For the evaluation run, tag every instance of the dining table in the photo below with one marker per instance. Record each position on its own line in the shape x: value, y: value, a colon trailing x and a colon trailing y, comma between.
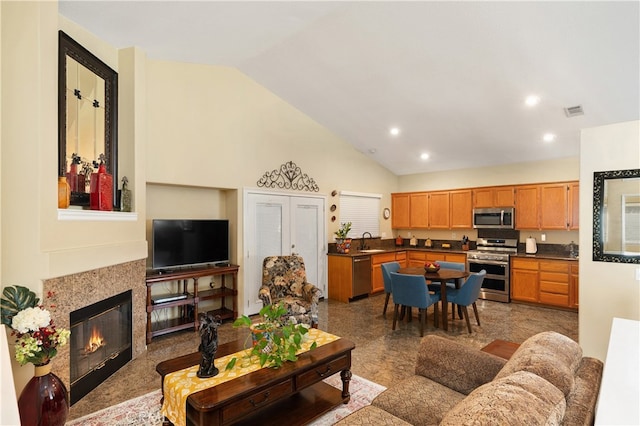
x: 443, y: 276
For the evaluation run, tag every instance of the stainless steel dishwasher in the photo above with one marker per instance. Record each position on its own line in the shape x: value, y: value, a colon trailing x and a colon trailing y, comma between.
x: 361, y: 275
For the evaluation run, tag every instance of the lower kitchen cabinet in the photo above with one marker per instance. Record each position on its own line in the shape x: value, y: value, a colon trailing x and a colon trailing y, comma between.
x: 349, y: 276
x: 417, y: 259
x: 377, y: 282
x: 545, y: 282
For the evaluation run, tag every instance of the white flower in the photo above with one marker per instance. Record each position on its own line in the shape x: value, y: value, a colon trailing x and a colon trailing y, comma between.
x: 31, y: 319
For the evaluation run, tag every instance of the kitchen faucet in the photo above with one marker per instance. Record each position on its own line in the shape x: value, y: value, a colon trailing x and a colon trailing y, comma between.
x: 362, y: 246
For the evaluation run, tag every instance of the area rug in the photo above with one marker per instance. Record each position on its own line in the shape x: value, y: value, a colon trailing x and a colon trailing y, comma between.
x: 145, y: 409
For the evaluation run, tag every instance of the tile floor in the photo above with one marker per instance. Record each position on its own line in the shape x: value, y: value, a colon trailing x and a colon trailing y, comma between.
x: 381, y: 355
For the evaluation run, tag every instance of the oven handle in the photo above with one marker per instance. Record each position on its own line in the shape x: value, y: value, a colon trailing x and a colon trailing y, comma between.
x: 488, y: 262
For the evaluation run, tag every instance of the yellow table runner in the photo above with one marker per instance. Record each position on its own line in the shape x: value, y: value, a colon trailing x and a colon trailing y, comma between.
x: 180, y: 384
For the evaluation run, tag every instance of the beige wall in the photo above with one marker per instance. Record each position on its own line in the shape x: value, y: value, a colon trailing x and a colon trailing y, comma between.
x: 213, y: 127
x: 35, y: 244
x: 560, y: 170
x: 607, y: 290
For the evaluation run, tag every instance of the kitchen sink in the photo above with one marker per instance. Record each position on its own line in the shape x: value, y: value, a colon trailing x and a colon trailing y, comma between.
x: 371, y: 251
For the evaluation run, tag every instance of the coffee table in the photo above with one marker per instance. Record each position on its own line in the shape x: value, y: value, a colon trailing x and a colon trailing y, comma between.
x: 293, y: 394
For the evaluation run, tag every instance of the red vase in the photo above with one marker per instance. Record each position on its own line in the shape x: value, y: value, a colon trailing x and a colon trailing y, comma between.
x: 75, y: 180
x: 101, y: 187
x: 45, y: 400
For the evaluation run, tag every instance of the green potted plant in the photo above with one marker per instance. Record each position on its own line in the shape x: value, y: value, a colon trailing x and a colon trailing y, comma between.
x: 276, y: 339
x: 343, y: 242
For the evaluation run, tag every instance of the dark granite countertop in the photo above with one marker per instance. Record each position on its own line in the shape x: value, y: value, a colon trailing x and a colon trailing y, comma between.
x: 552, y: 256
x: 356, y: 252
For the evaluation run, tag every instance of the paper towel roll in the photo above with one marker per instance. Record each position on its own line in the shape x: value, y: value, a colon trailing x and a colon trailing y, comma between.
x: 531, y: 246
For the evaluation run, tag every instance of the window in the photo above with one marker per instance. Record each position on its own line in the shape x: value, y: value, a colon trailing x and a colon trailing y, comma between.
x: 362, y: 210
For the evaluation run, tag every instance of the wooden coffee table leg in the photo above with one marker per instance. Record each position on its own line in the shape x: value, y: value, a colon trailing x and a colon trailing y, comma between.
x: 345, y: 375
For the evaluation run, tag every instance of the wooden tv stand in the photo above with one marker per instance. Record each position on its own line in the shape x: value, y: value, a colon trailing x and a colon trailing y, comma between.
x: 188, y: 317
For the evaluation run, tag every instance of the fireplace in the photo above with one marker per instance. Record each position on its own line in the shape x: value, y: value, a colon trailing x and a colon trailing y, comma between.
x: 100, y: 343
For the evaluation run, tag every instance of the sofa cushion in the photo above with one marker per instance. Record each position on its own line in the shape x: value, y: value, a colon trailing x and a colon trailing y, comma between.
x: 370, y: 415
x: 550, y: 355
x: 418, y: 400
x: 519, y: 399
x: 581, y: 402
x: 455, y: 365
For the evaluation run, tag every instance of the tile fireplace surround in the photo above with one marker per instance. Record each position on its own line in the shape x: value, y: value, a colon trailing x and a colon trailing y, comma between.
x: 79, y: 290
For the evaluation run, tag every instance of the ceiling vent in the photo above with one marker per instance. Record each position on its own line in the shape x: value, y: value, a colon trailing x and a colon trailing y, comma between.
x: 574, y: 111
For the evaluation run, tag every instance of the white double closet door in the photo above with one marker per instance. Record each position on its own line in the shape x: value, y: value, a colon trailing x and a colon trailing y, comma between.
x: 281, y: 224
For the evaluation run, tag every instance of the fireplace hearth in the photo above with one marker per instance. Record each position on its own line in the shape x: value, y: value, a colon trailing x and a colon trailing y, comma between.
x: 101, y: 342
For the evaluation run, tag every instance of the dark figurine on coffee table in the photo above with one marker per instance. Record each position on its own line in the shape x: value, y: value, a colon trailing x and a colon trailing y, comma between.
x: 208, y: 345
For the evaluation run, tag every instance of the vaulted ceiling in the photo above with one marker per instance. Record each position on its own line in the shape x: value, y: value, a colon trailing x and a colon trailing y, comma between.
x: 451, y: 76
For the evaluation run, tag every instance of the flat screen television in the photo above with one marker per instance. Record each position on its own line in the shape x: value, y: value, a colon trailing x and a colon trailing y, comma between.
x: 179, y: 243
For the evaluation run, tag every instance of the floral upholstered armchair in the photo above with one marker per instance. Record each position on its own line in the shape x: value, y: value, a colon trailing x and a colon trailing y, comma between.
x: 284, y: 280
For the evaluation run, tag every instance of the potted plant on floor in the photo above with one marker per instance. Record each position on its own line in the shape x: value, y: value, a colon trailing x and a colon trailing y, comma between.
x: 276, y: 339
x: 343, y: 242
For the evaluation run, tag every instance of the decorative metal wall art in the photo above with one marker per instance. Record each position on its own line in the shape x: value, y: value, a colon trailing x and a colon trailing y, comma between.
x: 289, y: 176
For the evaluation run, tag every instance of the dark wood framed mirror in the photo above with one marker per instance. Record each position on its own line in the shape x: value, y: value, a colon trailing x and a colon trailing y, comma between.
x: 87, y: 115
x: 616, y: 216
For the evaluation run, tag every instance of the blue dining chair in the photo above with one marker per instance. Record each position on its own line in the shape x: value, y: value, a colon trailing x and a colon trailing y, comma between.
x: 467, y: 295
x: 412, y: 291
x: 387, y: 269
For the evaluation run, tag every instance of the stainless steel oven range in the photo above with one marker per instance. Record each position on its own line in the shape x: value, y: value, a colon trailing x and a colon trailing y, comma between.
x: 492, y: 255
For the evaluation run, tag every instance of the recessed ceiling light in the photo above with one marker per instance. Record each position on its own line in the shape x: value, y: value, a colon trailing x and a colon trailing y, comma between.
x: 394, y: 131
x: 532, y: 100
x: 424, y: 156
x: 549, y: 137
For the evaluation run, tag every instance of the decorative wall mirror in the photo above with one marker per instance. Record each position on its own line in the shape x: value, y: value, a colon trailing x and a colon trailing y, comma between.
x: 616, y: 216
x: 87, y: 115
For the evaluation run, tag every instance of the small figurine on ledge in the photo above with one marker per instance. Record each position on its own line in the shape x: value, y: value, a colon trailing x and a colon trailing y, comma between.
x: 208, y: 345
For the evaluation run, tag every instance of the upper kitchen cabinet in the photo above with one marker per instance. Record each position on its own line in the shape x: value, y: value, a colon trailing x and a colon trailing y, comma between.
x: 553, y: 206
x: 527, y: 200
x: 494, y: 196
x: 461, y: 210
x: 439, y: 210
x: 400, y: 211
x: 547, y: 206
x: 574, y: 205
x: 410, y: 210
x: 418, y: 208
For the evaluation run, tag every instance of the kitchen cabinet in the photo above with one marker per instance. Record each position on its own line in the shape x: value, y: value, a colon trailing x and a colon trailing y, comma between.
x: 377, y: 282
x: 497, y: 196
x: 574, y: 205
x: 547, y: 206
x: 410, y: 210
x: 545, y: 282
x: 554, y: 283
x: 553, y: 206
x: 439, y: 210
x: 349, y: 277
x: 400, y: 211
x: 418, y: 208
x: 573, y: 286
x: 417, y: 259
x: 527, y: 200
x: 461, y: 209
x: 524, y: 280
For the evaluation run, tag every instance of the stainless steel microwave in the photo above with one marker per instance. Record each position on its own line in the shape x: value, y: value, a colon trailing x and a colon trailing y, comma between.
x: 495, y: 217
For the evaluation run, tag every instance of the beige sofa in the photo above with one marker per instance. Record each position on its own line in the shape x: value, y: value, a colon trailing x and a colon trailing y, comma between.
x: 547, y: 381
